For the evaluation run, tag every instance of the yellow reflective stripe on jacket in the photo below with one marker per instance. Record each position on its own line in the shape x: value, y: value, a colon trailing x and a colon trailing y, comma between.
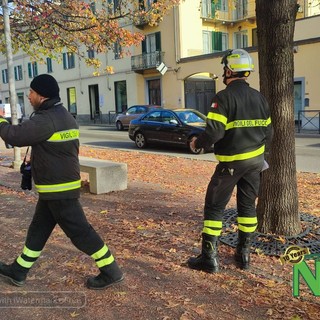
x: 24, y: 263
x: 3, y: 120
x: 217, y: 117
x: 248, y: 123
x: 31, y: 253
x: 66, y: 135
x: 58, y: 187
x: 99, y: 254
x: 241, y: 156
x: 212, y: 224
x: 105, y: 262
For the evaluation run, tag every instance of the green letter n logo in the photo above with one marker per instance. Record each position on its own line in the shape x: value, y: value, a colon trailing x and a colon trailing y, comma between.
x: 313, y: 281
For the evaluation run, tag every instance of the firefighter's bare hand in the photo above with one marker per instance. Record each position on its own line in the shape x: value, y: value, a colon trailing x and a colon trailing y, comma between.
x: 193, y: 142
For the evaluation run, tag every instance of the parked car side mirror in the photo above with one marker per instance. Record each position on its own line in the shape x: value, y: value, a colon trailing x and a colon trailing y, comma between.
x: 173, y: 121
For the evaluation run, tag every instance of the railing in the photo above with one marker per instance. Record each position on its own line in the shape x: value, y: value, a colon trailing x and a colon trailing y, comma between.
x: 311, y: 122
x: 146, y: 60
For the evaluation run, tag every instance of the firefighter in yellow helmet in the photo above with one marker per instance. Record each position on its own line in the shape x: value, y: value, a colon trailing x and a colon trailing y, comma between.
x: 53, y: 135
x: 239, y: 125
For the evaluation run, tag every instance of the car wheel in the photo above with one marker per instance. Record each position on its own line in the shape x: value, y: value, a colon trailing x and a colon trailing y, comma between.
x: 194, y: 150
x: 140, y: 140
x: 119, y: 125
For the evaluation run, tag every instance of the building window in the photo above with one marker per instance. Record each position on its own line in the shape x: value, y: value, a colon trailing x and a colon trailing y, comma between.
x: 5, y: 77
x: 49, y: 65
x: 91, y: 54
x: 151, y: 43
x: 241, y: 9
x: 32, y: 69
x: 146, y: 4
x: 241, y: 40
x: 93, y: 7
x: 114, y: 6
x: 18, y: 73
x: 117, y: 50
x: 68, y: 60
x: 214, y: 41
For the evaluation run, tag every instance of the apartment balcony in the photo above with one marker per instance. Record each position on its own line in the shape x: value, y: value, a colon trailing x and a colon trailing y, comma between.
x: 141, y: 22
x: 221, y: 17
x: 244, y: 10
x: 146, y: 61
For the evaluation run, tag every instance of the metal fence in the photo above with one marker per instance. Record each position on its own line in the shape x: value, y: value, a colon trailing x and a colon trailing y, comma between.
x: 309, y: 120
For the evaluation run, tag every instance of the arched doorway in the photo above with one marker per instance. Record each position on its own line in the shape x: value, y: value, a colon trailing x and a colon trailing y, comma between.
x: 199, y: 90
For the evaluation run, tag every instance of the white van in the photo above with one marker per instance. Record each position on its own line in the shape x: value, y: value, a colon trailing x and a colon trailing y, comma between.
x: 5, y: 111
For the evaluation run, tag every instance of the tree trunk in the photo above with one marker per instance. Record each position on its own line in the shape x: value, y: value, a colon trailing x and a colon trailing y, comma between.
x: 278, y: 199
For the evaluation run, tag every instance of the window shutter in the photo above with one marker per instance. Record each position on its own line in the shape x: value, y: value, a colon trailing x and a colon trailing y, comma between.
x: 144, y: 46
x: 29, y: 69
x: 216, y: 41
x: 35, y: 71
x: 141, y: 5
x: 64, y: 56
x: 158, y: 41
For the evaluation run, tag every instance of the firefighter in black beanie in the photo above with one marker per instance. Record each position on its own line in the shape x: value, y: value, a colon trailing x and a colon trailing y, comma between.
x: 53, y: 134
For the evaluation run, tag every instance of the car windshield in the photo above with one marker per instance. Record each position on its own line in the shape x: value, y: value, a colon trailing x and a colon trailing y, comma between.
x: 190, y: 117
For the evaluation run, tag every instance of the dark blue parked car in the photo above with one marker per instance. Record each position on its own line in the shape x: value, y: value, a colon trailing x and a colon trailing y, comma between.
x: 168, y: 127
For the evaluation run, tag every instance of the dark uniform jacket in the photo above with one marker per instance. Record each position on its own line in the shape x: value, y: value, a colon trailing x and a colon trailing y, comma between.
x: 238, y: 124
x: 53, y: 134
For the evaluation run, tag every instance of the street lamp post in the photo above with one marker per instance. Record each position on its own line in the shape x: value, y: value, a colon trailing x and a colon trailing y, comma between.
x: 12, y: 86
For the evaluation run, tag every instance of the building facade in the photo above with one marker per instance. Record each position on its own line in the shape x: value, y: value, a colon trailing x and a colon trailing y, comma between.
x: 177, y: 64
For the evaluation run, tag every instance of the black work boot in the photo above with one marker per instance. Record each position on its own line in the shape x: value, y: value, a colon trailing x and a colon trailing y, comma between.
x: 14, y: 272
x: 208, y: 259
x: 242, y: 254
x: 108, y: 276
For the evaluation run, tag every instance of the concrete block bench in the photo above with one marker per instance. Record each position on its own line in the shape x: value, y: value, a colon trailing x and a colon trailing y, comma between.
x: 104, y: 175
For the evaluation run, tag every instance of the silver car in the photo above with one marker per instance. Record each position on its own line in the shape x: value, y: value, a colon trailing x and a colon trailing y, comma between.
x: 134, y: 112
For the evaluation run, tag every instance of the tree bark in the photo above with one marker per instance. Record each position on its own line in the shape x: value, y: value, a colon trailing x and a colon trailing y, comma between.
x: 278, y: 199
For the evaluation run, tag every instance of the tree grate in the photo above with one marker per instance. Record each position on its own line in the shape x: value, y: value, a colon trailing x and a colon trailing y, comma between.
x: 274, y: 245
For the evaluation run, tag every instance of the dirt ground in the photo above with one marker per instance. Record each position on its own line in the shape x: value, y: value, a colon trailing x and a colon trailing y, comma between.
x: 152, y: 228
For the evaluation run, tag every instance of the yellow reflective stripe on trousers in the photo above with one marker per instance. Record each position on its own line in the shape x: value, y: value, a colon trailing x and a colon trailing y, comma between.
x: 211, y: 232
x: 247, y: 229
x: 247, y: 220
x: 217, y: 117
x: 212, y: 224
x: 105, y: 262
x: 241, y: 156
x: 248, y: 123
x: 58, y: 187
x: 24, y: 263
x: 31, y: 253
x: 99, y: 254
x: 65, y: 135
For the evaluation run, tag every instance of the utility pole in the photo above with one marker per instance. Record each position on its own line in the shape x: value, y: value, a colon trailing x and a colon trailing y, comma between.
x: 12, y: 86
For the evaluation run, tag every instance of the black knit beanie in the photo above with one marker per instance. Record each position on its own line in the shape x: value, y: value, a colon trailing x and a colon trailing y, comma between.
x: 46, y: 86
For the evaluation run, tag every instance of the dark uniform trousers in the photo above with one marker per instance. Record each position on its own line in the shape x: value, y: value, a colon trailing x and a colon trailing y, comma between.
x: 69, y: 215
x: 219, y: 191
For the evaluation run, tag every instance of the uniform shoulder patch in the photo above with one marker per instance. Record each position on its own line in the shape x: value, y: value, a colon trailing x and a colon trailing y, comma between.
x: 214, y: 105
